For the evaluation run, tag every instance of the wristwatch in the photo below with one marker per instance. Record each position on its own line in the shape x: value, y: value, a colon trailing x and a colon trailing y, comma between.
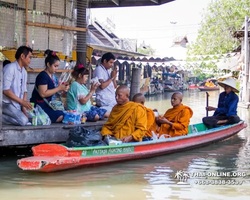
x: 112, y: 78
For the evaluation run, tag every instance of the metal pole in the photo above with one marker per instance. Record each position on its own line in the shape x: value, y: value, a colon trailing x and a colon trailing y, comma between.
x: 207, y: 95
x: 244, y: 92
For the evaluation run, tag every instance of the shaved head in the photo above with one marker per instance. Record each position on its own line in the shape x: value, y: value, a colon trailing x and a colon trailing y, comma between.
x: 122, y: 94
x: 124, y: 89
x: 176, y: 99
x: 178, y: 95
x: 139, y: 98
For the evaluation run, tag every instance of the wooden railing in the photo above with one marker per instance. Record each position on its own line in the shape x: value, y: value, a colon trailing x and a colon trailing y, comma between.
x: 29, y: 70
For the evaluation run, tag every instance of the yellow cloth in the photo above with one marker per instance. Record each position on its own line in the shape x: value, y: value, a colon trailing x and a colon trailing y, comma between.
x: 125, y: 120
x: 180, y: 117
x: 150, y: 122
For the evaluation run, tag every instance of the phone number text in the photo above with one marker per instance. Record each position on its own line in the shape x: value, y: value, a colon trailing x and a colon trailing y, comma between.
x: 218, y: 182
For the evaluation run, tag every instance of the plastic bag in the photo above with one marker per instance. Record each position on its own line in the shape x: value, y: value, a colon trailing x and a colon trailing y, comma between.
x: 162, y: 137
x: 56, y: 105
x: 110, y: 140
x: 82, y: 137
x: 95, y: 80
x: 42, y: 117
x: 154, y: 136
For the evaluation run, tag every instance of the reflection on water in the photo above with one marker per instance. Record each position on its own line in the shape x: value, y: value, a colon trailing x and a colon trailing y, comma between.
x: 152, y: 178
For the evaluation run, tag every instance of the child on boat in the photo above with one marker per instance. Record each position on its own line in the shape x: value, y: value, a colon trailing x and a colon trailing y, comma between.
x: 140, y: 98
x: 176, y: 120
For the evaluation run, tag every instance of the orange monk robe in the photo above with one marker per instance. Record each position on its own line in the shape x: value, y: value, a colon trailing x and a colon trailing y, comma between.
x: 211, y: 84
x: 125, y: 120
x: 180, y: 117
x: 151, y: 122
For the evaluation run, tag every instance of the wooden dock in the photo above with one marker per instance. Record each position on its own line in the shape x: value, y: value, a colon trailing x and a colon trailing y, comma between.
x: 11, y: 135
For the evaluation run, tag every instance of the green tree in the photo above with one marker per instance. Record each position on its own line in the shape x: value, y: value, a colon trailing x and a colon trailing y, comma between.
x: 145, y: 49
x: 221, y: 19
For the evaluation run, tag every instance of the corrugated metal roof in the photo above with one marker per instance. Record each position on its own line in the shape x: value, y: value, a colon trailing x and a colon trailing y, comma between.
x: 125, y: 3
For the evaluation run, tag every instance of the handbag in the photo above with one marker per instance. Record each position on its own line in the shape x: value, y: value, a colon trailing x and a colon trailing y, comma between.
x: 55, y: 104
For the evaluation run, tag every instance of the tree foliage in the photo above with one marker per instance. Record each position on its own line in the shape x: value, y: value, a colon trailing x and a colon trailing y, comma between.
x: 221, y: 19
x: 146, y: 49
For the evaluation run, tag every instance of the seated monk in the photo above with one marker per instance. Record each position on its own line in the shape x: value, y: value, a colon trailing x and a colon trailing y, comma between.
x: 140, y: 98
x: 176, y: 120
x: 211, y: 84
x: 127, y: 120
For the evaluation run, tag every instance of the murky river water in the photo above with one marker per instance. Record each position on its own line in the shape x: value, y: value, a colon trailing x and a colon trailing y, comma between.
x: 152, y: 178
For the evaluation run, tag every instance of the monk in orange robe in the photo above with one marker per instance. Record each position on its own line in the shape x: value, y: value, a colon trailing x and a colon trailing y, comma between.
x: 127, y: 120
x: 140, y: 98
x: 211, y: 84
x: 176, y: 120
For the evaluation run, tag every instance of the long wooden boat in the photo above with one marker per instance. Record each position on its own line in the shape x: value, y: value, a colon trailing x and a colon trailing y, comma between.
x: 55, y: 157
x: 193, y: 86
x: 205, y: 88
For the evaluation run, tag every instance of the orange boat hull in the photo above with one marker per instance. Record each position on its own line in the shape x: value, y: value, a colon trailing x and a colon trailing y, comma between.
x: 54, y: 157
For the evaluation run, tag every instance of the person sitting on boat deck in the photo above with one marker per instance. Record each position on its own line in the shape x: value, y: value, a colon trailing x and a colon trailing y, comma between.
x: 14, y: 103
x: 45, y: 88
x: 105, y: 93
x: 176, y: 120
x: 127, y: 120
x: 78, y: 96
x: 140, y: 98
x: 226, y: 112
x: 6, y: 62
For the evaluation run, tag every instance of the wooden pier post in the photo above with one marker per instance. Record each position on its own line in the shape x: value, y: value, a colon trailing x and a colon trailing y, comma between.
x: 26, y: 23
x: 120, y: 72
x: 245, y: 97
x: 135, y: 83
x: 81, y: 36
x: 128, y: 70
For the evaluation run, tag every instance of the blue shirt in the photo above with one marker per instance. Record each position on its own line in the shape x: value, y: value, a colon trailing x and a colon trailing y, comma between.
x: 42, y: 79
x: 227, y: 105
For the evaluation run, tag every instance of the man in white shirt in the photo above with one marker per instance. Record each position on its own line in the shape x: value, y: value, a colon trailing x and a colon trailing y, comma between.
x: 105, y: 93
x: 15, y: 104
